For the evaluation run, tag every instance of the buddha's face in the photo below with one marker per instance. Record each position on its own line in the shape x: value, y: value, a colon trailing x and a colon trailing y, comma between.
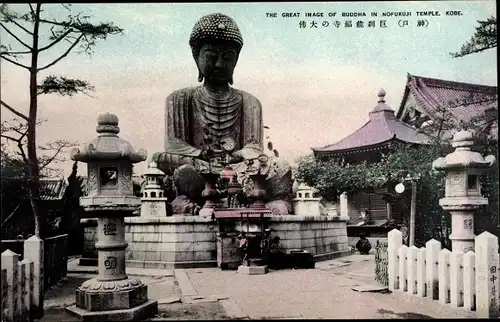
x: 216, y: 61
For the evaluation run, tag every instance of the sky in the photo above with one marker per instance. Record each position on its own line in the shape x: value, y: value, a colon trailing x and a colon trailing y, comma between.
x: 316, y: 85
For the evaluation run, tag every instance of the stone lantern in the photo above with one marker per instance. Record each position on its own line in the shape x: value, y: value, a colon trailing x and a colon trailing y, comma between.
x: 112, y: 295
x: 463, y: 167
x: 305, y: 203
x: 153, y: 202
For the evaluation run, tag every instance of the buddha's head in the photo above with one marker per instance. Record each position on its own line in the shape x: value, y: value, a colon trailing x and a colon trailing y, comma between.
x: 216, y: 43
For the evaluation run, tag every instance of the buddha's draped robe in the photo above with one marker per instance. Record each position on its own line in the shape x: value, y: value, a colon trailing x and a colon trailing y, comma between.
x: 189, y: 112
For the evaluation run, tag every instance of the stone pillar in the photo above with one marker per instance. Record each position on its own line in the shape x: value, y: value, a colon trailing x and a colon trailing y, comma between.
x: 395, y: 241
x: 344, y: 206
x: 462, y: 230
x: 34, y: 251
x: 486, y: 256
x: 111, y: 247
x: 10, y: 263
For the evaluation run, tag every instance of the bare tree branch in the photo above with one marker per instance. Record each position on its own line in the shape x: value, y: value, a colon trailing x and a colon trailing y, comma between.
x: 18, y: 24
x: 52, y: 158
x: 10, y: 108
x: 61, y: 37
x: 8, y: 137
x: 63, y: 55
x: 32, y: 10
x: 15, y: 62
x: 15, y: 37
x: 21, y: 151
x: 12, y: 53
x: 10, y: 216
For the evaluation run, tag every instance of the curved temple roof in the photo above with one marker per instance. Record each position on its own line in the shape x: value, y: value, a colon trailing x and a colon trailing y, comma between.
x: 462, y: 100
x: 382, y: 127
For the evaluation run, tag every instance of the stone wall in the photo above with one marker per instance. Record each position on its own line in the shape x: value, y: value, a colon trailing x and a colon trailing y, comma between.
x: 176, y: 241
x: 323, y: 236
x: 191, y: 241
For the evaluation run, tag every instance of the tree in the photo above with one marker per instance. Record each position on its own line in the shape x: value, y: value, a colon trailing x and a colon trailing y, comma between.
x: 31, y: 23
x: 484, y: 38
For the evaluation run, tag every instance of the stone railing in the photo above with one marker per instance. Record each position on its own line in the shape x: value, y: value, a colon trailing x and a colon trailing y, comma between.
x: 55, y: 256
x: 464, y: 280
x: 17, y: 287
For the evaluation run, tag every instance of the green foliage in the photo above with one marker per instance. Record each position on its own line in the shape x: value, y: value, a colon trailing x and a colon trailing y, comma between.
x: 484, y: 38
x: 333, y: 177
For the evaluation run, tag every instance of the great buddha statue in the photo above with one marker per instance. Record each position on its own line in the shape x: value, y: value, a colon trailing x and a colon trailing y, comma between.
x: 212, y: 112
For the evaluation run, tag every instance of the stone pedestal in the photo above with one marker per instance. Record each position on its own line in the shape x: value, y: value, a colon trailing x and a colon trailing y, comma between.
x: 252, y: 266
x: 154, y: 207
x: 112, y: 295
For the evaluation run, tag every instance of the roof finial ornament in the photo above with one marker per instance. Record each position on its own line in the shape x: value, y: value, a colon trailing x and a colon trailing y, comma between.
x: 381, y: 95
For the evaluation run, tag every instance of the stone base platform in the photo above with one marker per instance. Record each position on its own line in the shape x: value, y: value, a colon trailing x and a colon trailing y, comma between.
x: 140, y: 312
x: 96, y: 295
x: 252, y: 270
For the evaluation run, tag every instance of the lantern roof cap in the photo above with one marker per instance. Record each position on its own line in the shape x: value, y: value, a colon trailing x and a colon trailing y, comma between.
x: 154, y: 171
x: 463, y: 157
x: 108, y: 146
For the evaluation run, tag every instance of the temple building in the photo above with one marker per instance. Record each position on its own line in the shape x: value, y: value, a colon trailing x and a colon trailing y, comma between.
x: 426, y: 101
x: 369, y: 211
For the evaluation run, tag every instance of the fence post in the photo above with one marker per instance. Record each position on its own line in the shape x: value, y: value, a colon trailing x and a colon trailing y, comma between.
x: 394, y: 242
x: 21, y: 290
x: 34, y: 251
x: 456, y: 278
x: 486, y: 257
x: 28, y: 295
x: 403, y: 266
x: 444, y: 276
x: 10, y: 263
x: 412, y: 269
x: 469, y: 281
x: 5, y: 294
x: 432, y: 249
x: 421, y: 280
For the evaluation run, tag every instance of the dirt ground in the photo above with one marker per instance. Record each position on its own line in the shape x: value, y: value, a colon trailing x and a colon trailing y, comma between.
x: 63, y: 295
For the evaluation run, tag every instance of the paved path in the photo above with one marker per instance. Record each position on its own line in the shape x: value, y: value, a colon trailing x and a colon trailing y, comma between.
x: 324, y: 292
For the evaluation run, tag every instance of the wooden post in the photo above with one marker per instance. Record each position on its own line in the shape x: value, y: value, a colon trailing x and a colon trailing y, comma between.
x: 412, y: 211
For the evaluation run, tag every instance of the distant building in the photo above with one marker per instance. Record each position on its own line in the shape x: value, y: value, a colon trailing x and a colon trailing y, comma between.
x: 426, y: 100
x: 52, y: 189
x: 382, y: 133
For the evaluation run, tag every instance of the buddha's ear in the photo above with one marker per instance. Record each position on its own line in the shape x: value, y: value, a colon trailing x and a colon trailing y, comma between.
x: 196, y: 53
x: 200, y: 75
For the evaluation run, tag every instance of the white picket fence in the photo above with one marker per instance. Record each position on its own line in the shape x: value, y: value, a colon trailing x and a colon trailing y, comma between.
x: 17, y: 287
x: 464, y: 280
